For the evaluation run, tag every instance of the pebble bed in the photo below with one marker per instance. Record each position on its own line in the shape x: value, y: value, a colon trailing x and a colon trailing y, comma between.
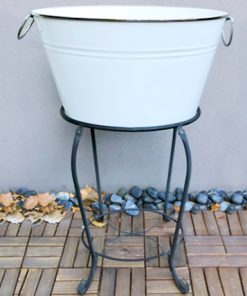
x: 133, y: 200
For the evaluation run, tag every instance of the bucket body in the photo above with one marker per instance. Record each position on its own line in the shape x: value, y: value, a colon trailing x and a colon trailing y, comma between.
x: 139, y: 70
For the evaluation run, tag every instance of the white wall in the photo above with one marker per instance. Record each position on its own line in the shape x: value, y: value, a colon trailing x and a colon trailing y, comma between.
x: 35, y: 142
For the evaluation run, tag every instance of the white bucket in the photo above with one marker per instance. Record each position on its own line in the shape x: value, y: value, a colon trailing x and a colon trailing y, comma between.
x: 130, y: 66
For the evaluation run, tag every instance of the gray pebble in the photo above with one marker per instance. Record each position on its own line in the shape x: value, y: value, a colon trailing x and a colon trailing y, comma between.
x: 152, y: 192
x: 150, y: 207
x: 139, y: 202
x: 122, y: 191
x: 107, y: 199
x: 62, y: 196
x: 114, y: 208
x: 216, y: 198
x: 202, y: 198
x: 96, y: 206
x: 224, y: 205
x: 116, y: 199
x: 160, y: 206
x: 157, y: 201
x: 231, y: 209
x: 237, y: 198
x: 195, y: 209
x: 136, y: 191
x: 130, y: 197
x: 148, y: 199
x: 131, y: 208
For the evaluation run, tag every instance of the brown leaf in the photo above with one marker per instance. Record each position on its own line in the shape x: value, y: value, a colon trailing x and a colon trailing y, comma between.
x: 2, y: 216
x: 45, y: 199
x: 34, y: 216
x: 215, y: 207
x: 89, y: 193
x: 54, y: 217
x: 96, y: 223
x: 31, y: 202
x: 6, y: 199
x: 15, y: 217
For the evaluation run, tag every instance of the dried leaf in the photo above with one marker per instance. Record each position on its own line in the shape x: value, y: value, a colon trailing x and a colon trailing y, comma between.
x: 96, y: 223
x: 2, y: 216
x: 31, y: 202
x: 89, y: 193
x: 75, y: 209
x: 34, y: 216
x: 15, y: 217
x: 6, y: 199
x: 54, y: 217
x: 45, y: 199
x: 215, y: 207
x: 176, y: 208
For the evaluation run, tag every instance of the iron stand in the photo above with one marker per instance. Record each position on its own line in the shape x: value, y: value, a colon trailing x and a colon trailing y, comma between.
x: 167, y: 214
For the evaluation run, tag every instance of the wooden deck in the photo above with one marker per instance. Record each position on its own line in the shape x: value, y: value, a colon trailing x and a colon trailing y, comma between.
x: 50, y: 259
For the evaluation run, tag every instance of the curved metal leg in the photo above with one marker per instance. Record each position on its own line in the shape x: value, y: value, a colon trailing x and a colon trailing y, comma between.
x: 168, y: 213
x: 181, y: 284
x: 96, y: 166
x: 84, y: 284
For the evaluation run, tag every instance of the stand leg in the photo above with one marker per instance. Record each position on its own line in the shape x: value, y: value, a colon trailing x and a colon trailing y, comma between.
x: 96, y: 166
x: 168, y: 182
x: 181, y: 284
x: 84, y: 284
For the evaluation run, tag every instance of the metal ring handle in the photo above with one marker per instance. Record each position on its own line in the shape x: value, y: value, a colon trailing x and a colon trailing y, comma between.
x: 229, y: 41
x: 22, y: 32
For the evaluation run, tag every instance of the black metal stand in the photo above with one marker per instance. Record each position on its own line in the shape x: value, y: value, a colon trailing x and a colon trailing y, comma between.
x: 167, y: 214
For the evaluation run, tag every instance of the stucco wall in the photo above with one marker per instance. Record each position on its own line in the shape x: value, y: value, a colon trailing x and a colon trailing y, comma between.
x: 35, y: 143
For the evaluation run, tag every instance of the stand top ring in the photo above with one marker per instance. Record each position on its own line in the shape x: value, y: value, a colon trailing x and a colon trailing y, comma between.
x: 130, y: 129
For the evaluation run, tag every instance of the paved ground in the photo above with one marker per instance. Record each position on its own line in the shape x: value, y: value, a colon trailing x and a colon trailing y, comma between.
x: 50, y: 259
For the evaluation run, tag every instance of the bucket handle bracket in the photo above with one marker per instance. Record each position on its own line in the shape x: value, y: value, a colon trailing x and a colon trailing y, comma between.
x: 25, y: 27
x: 229, y: 41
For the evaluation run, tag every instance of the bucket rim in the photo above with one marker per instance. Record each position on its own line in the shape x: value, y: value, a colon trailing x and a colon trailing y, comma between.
x: 61, y: 12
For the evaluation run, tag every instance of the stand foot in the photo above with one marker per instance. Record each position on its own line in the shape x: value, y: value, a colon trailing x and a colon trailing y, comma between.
x: 84, y: 284
x: 180, y: 283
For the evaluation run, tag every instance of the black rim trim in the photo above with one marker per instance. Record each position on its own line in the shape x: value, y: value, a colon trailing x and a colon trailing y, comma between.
x: 129, y: 129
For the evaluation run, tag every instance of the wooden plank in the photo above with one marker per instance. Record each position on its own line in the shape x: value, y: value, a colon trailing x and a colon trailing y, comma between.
x: 10, y: 262
x: 9, y: 282
x: 222, y: 222
x: 203, y: 240
x: 108, y: 282
x: 198, y: 282
x: 205, y: 249
x: 157, y: 273
x: 235, y: 240
x: 188, y: 226
x: 211, y: 223
x: 161, y: 287
x: 42, y: 251
x: 69, y: 252
x: 234, y: 224
x: 124, y: 240
x: 37, y: 230
x: 213, y: 282
x: 114, y: 220
x: 243, y: 221
x: 63, y: 226
x: 3, y: 228
x: 12, y: 229
x: 50, y: 229
x: 2, y: 271
x: 137, y: 226
x: 20, y: 281
x: 236, y: 249
x: 199, y: 224
x: 99, y: 243
x: 151, y: 250
x: 126, y: 224
x: 82, y: 256
x: 25, y: 228
x: 13, y: 241
x: 75, y: 274
x: 230, y: 281
x: 46, y: 241
x: 207, y: 260
x: 31, y: 282
x: 164, y: 242
x: 123, y: 282
x: 138, y: 281
x: 41, y: 262
x: 70, y: 288
x: 243, y: 277
x: 46, y: 282
x: 12, y: 251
